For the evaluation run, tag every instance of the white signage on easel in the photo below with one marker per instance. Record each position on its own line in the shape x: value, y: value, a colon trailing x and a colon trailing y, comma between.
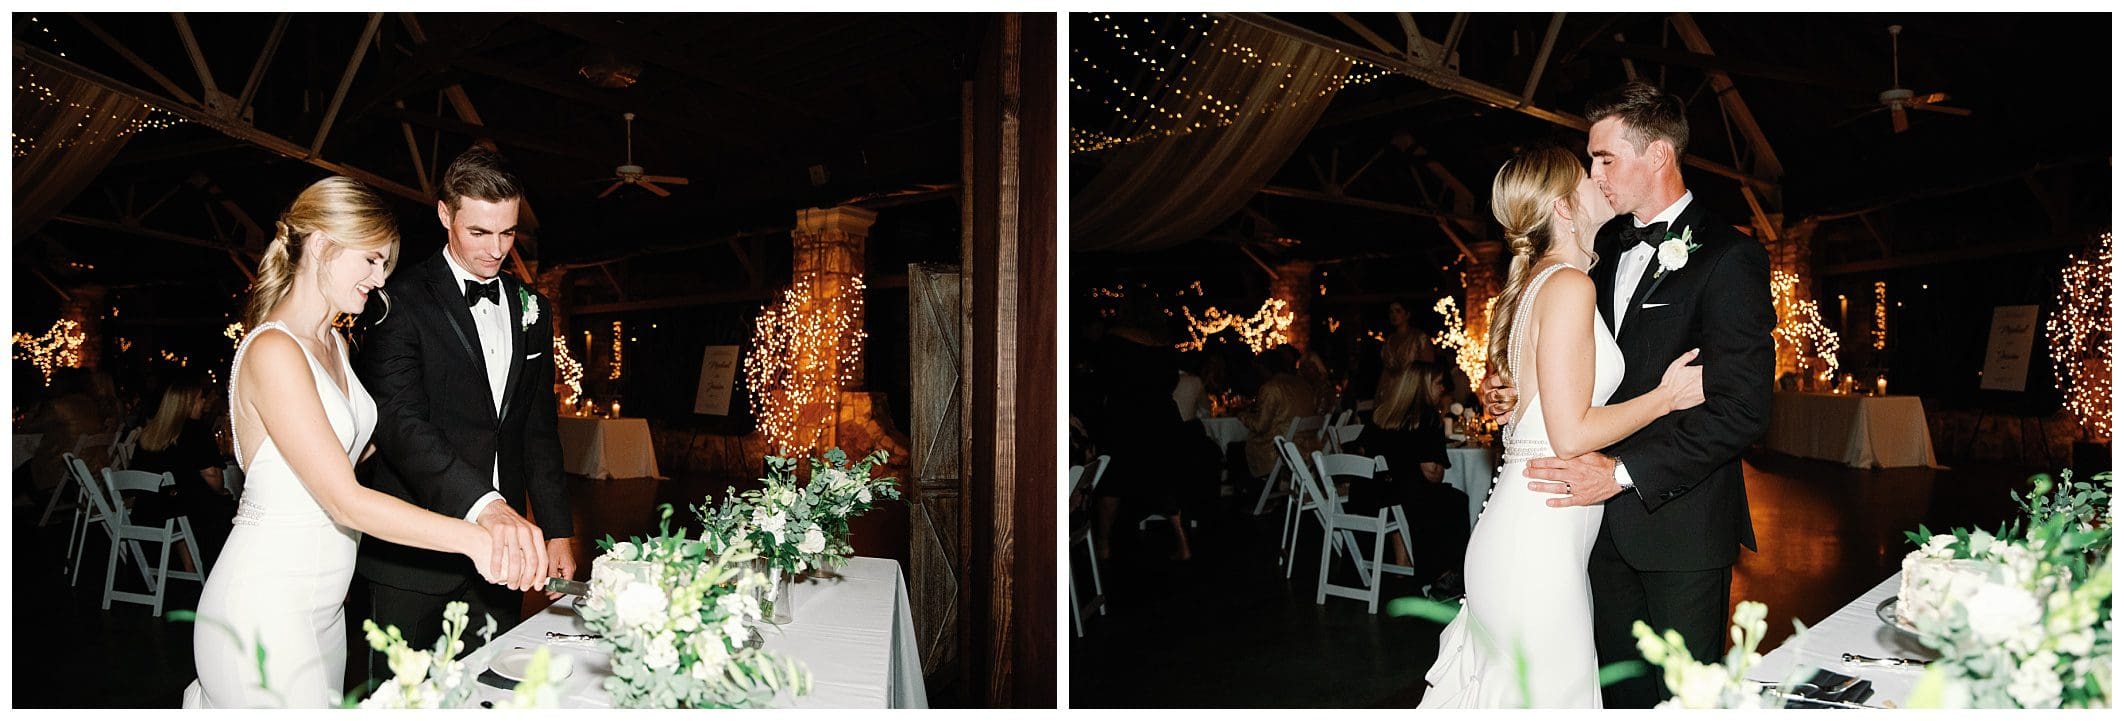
x: 718, y: 375
x: 2013, y: 332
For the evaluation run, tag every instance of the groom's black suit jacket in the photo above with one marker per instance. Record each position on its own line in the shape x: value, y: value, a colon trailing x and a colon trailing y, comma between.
x: 438, y: 436
x: 1690, y: 508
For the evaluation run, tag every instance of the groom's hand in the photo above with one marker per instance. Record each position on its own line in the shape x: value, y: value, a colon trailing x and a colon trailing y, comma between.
x: 1582, y: 481
x: 562, y: 551
x: 519, y: 547
x: 1497, y: 396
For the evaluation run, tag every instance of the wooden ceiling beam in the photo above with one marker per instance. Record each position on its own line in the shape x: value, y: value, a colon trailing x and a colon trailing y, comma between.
x: 604, y: 32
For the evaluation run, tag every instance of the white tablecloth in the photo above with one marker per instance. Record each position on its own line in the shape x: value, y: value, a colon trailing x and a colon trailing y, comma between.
x: 1224, y: 430
x: 1854, y: 629
x: 607, y: 447
x: 1474, y: 468
x: 855, y: 632
x: 1858, y: 431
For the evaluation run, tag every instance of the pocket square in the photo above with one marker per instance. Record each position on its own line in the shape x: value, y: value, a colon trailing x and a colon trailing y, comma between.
x: 534, y: 356
x: 1649, y: 306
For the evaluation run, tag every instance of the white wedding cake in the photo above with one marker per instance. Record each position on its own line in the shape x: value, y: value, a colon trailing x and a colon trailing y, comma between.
x: 1930, y: 583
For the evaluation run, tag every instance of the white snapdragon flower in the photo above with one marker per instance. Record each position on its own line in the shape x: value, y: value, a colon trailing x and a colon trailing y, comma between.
x: 863, y: 494
x: 1937, y: 547
x: 739, y: 605
x: 2005, y: 615
x: 2035, y: 684
x: 813, y: 542
x: 624, y: 551
x: 640, y: 605
x: 1702, y: 686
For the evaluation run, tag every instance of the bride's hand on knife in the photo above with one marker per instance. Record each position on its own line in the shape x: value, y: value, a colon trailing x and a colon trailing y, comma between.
x: 518, y: 549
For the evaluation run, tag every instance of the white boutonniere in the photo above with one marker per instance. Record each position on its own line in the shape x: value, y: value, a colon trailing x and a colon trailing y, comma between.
x: 530, y: 303
x: 1674, y: 252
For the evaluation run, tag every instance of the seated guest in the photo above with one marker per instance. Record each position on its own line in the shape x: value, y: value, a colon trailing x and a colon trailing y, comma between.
x: 176, y: 441
x: 1283, y: 397
x: 1408, y: 429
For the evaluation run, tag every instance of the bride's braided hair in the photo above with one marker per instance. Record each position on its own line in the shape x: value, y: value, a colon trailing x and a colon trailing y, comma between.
x: 352, y: 217
x: 1522, y: 197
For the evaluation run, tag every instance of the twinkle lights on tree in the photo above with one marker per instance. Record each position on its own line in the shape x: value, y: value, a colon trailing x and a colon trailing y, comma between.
x: 1801, y: 335
x: 617, y: 341
x: 2079, y: 338
x: 571, y: 372
x: 1470, y: 353
x: 1880, y: 315
x: 59, y: 347
x: 1268, y: 327
x: 803, y: 354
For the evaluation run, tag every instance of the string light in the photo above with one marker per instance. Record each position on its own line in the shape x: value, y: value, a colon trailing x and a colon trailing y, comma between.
x: 1800, y: 330
x: 782, y: 372
x: 616, y: 343
x: 2079, y: 335
x: 1880, y: 315
x: 1174, y: 109
x: 1268, y: 327
x: 1333, y: 325
x: 571, y: 371
x: 26, y: 82
x: 234, y: 332
x: 59, y: 347
x: 1470, y: 353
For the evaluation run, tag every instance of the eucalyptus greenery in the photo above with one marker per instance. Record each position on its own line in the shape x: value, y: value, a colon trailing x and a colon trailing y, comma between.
x: 797, y: 526
x: 677, y: 623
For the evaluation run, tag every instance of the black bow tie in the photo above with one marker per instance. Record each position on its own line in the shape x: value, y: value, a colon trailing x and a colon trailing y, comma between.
x: 475, y: 290
x: 1649, y: 235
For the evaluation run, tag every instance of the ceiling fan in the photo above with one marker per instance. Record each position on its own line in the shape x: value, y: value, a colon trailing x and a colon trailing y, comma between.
x: 1898, y: 100
x: 631, y: 174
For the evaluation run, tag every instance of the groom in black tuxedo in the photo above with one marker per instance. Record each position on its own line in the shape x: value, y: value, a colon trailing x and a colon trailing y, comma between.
x: 463, y: 381
x: 1676, y: 506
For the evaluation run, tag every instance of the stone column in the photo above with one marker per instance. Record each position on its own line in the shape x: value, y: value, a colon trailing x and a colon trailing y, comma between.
x: 87, y: 306
x: 828, y: 262
x: 1294, y: 285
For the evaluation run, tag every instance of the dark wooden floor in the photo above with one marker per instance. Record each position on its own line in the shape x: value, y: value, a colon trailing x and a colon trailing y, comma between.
x: 69, y: 653
x: 1226, y: 630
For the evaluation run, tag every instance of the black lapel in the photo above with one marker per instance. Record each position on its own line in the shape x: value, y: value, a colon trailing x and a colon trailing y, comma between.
x: 516, y: 330
x: 1691, y: 216
x: 450, y: 297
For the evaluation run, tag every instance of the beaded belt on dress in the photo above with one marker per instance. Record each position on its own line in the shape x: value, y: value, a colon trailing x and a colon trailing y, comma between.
x: 1518, y: 451
x: 250, y: 514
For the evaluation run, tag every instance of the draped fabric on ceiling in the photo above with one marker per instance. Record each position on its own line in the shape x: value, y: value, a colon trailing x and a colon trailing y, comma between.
x: 66, y: 131
x: 1167, y: 190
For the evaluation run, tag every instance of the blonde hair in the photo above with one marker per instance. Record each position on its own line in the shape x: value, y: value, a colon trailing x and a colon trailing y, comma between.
x: 351, y: 216
x: 1412, y: 388
x: 1522, y: 196
x: 176, y: 409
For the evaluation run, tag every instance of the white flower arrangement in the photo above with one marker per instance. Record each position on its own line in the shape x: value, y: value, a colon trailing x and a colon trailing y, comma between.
x: 439, y: 679
x: 1724, y: 685
x: 2036, y: 634
x: 797, y: 528
x: 675, y: 613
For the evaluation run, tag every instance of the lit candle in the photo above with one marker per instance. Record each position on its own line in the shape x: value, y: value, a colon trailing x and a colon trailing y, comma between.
x: 615, y: 409
x: 1880, y: 386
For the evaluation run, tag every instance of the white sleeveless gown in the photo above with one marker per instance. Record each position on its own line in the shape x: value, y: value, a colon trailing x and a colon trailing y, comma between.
x: 1527, y: 593
x: 281, y: 582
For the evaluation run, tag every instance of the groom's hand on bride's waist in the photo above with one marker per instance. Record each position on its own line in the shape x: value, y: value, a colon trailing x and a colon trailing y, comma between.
x: 1583, y: 481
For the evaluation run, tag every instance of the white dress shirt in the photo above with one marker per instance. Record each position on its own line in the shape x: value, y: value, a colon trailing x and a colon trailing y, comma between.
x: 1628, y: 271
x: 491, y: 320
x: 1630, y: 268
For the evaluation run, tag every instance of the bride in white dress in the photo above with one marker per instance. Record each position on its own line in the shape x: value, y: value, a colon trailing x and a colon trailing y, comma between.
x: 1524, y: 636
x: 271, y: 629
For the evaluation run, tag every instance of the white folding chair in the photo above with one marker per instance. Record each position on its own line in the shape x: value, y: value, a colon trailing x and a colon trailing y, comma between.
x: 1389, y: 520
x: 122, y: 451
x: 1302, y: 502
x: 1302, y: 424
x: 60, y: 500
x: 88, y: 515
x: 173, y: 531
x: 1342, y: 430
x: 1082, y: 534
